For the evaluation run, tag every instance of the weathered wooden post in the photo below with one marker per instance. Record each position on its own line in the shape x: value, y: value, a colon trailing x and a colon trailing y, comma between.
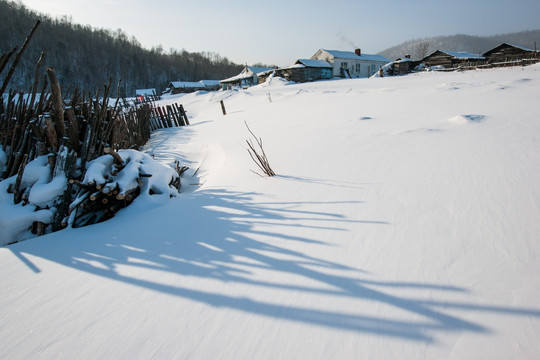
x: 223, y: 107
x: 184, y: 115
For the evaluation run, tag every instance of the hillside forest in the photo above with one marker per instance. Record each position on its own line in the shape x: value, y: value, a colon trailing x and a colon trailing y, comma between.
x: 87, y: 57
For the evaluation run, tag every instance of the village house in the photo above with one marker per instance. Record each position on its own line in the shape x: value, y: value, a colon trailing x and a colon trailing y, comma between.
x: 507, y: 52
x: 248, y: 77
x: 143, y: 95
x: 145, y: 92
x: 178, y: 87
x: 304, y: 70
x: 452, y: 59
x: 401, y: 66
x: 349, y: 64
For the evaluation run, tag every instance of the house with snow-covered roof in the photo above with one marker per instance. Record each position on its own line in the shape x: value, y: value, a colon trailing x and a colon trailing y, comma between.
x: 351, y: 64
x: 145, y: 92
x: 306, y: 70
x: 508, y: 52
x: 452, y: 59
x: 249, y: 76
x: 177, y: 87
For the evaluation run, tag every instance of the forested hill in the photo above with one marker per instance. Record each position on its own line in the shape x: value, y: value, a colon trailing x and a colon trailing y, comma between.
x: 418, y: 48
x: 85, y: 57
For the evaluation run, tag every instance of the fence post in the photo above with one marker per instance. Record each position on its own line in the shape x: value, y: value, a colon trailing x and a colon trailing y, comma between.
x: 223, y: 107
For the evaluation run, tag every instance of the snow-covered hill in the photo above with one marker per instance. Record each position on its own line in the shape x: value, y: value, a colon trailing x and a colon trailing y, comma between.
x: 403, y: 222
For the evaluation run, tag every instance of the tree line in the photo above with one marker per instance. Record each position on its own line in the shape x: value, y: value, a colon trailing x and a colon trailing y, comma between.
x: 86, y: 57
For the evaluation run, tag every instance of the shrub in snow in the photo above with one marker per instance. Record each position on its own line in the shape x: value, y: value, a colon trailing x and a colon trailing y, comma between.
x: 258, y: 155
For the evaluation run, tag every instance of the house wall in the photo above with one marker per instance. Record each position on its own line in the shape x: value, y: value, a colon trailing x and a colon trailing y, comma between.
x: 356, y: 68
x: 439, y: 59
x: 303, y: 74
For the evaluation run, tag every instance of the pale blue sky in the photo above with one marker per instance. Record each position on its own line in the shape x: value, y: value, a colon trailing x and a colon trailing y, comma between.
x: 279, y: 32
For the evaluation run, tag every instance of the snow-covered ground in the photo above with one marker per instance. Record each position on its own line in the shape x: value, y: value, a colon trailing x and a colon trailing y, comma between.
x: 403, y: 223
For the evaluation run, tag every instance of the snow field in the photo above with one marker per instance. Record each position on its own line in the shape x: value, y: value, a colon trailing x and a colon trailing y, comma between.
x: 402, y: 223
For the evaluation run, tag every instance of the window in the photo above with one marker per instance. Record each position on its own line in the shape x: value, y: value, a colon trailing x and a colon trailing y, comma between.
x: 357, y: 68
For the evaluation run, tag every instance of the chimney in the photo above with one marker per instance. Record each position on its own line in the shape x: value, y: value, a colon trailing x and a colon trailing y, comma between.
x: 358, y: 52
x: 407, y: 56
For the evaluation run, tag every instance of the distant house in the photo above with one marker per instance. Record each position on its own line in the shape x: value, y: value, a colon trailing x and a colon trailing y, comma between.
x: 144, y: 95
x: 351, y: 64
x: 400, y: 66
x: 404, y: 65
x: 508, y: 52
x: 178, y: 87
x: 306, y: 70
x: 144, y: 92
x: 248, y: 77
x: 452, y: 59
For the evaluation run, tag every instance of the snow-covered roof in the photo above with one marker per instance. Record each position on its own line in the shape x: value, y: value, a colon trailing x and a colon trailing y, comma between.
x: 240, y: 76
x: 258, y: 70
x: 210, y: 83
x: 512, y: 45
x: 314, y: 63
x: 248, y: 72
x: 186, y: 84
x: 294, y: 66
x: 352, y: 56
x: 145, y: 92
x: 463, y: 55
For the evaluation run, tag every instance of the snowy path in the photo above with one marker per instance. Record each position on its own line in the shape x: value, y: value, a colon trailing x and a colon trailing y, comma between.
x: 403, y: 223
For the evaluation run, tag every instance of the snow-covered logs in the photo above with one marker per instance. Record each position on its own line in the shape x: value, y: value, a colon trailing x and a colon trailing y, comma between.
x: 46, y: 197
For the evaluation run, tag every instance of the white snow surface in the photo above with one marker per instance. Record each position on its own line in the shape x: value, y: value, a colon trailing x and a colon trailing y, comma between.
x: 403, y: 223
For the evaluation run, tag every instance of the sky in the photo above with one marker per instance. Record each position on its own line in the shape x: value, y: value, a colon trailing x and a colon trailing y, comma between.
x: 280, y: 32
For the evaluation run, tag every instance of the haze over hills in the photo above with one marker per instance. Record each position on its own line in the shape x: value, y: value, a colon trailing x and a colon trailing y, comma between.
x: 461, y: 42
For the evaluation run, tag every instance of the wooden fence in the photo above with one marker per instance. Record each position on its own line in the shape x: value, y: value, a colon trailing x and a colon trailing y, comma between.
x: 148, y: 98
x: 167, y: 116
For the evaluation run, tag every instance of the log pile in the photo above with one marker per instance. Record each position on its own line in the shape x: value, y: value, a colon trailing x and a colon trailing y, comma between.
x: 113, y: 181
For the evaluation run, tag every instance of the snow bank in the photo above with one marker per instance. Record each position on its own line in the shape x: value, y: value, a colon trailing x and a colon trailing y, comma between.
x: 15, y: 220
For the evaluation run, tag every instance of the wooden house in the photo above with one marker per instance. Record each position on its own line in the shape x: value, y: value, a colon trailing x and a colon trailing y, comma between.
x: 306, y: 70
x: 403, y: 66
x: 144, y: 92
x: 179, y: 87
x: 507, y: 53
x: 143, y: 95
x: 452, y: 59
x: 248, y: 77
x: 351, y: 64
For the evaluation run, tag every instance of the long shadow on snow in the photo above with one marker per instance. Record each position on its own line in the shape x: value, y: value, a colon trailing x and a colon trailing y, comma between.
x: 218, y: 234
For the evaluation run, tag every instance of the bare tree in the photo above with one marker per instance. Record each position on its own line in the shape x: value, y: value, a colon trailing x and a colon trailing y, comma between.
x: 421, y: 50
